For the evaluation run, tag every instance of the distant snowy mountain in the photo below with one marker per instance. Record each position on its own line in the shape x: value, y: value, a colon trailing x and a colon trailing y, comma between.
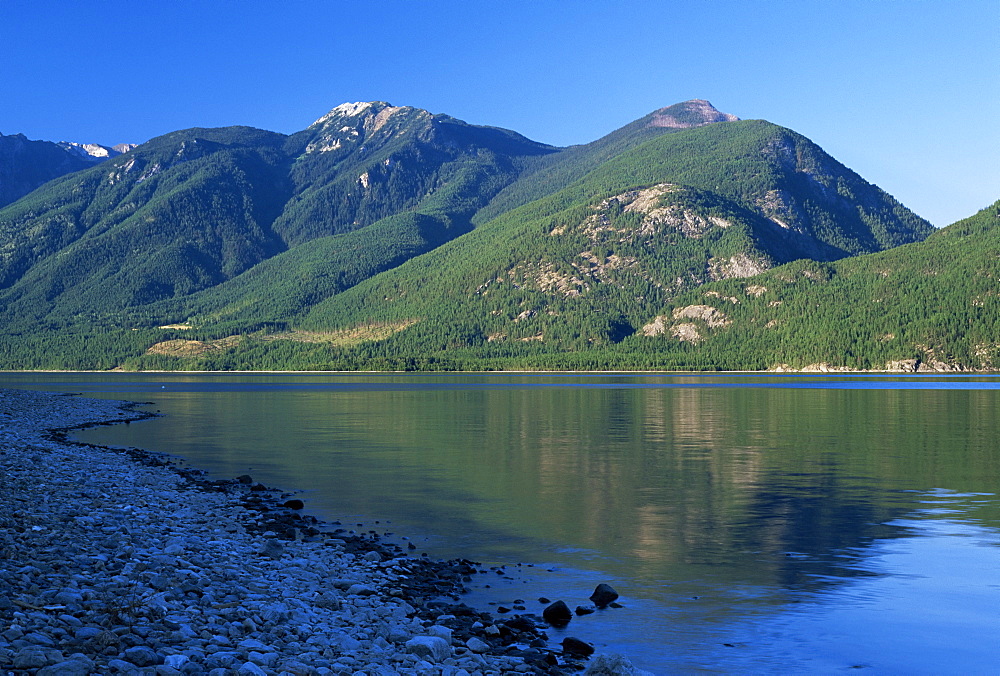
x: 26, y: 165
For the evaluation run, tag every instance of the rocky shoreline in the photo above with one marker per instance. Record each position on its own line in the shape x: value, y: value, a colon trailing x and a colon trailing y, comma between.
x: 123, y: 562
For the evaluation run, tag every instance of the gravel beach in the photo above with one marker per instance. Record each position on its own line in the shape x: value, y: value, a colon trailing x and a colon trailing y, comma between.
x: 118, y: 561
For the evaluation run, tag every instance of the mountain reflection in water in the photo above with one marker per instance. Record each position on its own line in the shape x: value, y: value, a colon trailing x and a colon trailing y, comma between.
x: 751, y: 522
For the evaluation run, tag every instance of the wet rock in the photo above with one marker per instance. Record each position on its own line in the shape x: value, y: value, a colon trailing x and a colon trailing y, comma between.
x: 557, y: 614
x: 294, y: 503
x: 603, y: 595
x: 574, y: 646
x: 585, y: 610
x: 244, y: 479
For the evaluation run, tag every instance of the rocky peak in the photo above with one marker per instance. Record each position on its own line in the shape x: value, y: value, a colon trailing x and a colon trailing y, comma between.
x: 693, y: 113
x: 94, y: 152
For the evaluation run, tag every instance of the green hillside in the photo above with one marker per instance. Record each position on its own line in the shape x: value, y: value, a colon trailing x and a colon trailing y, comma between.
x: 387, y: 237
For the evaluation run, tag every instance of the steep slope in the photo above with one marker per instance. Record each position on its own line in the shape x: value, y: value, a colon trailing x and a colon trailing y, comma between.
x: 364, y: 161
x: 183, y: 212
x: 932, y: 305
x: 26, y: 165
x: 647, y: 237
x: 552, y: 173
x: 351, y: 243
x: 192, y: 209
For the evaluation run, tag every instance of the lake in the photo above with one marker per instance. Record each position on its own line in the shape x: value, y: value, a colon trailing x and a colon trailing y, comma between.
x: 765, y: 523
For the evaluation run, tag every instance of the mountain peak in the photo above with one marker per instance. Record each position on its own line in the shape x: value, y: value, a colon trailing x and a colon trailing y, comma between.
x: 693, y: 113
x: 355, y: 109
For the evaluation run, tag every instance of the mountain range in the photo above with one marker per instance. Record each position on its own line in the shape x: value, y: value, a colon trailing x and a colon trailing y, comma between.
x: 389, y: 237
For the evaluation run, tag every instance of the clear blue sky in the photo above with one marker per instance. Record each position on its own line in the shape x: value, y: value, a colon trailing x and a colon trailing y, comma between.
x: 905, y: 92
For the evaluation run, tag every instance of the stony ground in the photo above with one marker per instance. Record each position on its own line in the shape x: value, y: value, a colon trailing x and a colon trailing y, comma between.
x: 121, y: 562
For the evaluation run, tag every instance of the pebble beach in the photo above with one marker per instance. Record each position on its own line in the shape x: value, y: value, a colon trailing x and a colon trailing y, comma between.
x: 119, y: 561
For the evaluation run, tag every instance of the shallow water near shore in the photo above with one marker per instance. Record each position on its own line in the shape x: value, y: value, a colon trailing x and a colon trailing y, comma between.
x: 752, y: 522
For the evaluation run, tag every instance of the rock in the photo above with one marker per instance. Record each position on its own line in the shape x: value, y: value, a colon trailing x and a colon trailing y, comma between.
x: 603, y: 595
x: 441, y: 632
x: 613, y: 664
x: 585, y: 610
x: 30, y: 658
x: 250, y: 669
x: 72, y: 667
x: 477, y: 646
x: 557, y: 614
x: 433, y: 647
x: 244, y: 479
x: 142, y: 656
x: 574, y: 646
x: 294, y: 503
x: 254, y: 644
x: 360, y: 590
x: 176, y: 661
x: 272, y: 549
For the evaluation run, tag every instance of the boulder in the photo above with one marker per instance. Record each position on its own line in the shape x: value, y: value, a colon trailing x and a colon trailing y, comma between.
x: 603, y: 595
x: 557, y: 614
x: 432, y: 647
x: 613, y: 664
x: 574, y: 646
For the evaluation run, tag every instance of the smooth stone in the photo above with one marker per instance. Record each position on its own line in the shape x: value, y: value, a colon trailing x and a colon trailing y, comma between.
x: 613, y: 664
x: 68, y: 668
x: 433, y: 647
x: 250, y: 669
x: 574, y: 646
x: 603, y: 595
x: 142, y: 656
x: 557, y: 614
x: 477, y: 646
x: 441, y: 631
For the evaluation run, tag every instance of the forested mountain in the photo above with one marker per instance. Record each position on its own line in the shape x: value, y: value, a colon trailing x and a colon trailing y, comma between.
x: 26, y: 165
x: 384, y: 236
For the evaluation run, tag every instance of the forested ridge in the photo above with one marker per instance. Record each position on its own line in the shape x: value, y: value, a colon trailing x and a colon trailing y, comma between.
x: 386, y: 237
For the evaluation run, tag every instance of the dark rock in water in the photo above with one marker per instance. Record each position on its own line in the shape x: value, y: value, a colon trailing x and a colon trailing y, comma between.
x: 244, y: 479
x: 603, y: 595
x: 543, y: 599
x: 585, y: 610
x: 574, y: 646
x: 294, y: 503
x: 557, y: 614
x: 615, y: 605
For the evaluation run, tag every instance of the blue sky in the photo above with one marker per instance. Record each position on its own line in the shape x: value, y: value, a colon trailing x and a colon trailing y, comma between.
x: 905, y: 92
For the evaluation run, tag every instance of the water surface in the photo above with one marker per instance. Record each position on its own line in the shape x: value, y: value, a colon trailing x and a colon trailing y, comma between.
x: 765, y: 523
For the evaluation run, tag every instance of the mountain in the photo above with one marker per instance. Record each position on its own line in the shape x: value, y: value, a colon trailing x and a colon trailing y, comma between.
x: 928, y: 306
x: 26, y: 165
x: 192, y: 209
x: 384, y: 234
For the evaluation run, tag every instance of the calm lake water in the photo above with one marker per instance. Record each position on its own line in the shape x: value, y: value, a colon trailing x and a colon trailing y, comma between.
x: 752, y: 523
